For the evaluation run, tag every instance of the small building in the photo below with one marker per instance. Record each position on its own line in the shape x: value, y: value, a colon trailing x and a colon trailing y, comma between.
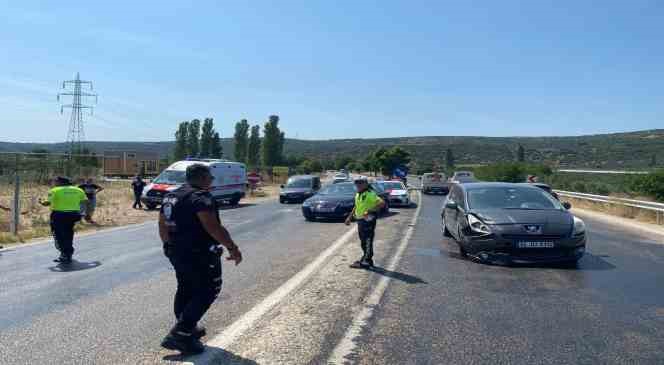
x: 130, y: 163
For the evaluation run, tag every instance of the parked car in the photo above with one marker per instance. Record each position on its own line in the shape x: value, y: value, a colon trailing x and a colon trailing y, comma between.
x: 299, y: 188
x: 461, y: 177
x: 398, y: 193
x: 340, y: 178
x: 517, y: 223
x: 377, y: 187
x: 435, y: 182
x: 332, y: 201
x: 228, y: 186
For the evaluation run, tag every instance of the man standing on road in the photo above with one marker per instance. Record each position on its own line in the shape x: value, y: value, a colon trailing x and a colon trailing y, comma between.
x: 91, y: 190
x: 367, y: 206
x: 65, y: 202
x: 137, y: 185
x: 190, y: 228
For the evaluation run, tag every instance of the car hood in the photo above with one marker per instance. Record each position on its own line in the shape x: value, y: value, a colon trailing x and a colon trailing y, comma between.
x: 524, y: 216
x: 330, y: 198
x: 296, y: 190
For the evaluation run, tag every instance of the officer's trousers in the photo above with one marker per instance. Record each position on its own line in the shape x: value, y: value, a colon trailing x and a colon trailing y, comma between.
x: 62, y: 227
x: 199, y: 284
x: 366, y: 231
x: 137, y: 200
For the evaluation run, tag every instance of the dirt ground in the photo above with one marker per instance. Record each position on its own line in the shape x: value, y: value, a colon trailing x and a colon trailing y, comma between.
x: 114, y: 209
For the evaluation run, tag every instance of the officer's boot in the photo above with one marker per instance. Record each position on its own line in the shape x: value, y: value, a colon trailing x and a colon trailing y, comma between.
x: 182, y: 340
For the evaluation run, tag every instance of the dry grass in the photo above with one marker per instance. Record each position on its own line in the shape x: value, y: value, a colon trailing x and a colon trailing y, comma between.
x: 637, y: 214
x: 114, y: 208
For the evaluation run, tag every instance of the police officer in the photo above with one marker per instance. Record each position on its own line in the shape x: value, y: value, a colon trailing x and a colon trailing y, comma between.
x: 65, y: 202
x: 367, y: 206
x: 190, y: 228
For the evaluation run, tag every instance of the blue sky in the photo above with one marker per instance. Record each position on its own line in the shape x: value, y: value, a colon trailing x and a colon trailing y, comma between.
x: 336, y: 69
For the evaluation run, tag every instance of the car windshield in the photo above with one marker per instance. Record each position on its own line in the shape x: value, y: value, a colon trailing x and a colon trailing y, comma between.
x: 511, y: 198
x: 171, y: 177
x: 393, y: 186
x: 339, y: 189
x: 377, y: 187
x: 298, y: 183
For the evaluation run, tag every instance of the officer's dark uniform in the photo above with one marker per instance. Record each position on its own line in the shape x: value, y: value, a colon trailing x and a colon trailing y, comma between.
x: 193, y: 253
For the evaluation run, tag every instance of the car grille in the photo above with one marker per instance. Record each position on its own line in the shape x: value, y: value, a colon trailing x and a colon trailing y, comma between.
x: 156, y: 193
x: 531, y: 237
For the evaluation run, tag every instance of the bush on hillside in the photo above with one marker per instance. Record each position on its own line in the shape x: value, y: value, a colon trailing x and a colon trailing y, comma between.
x: 651, y: 185
x: 511, y: 172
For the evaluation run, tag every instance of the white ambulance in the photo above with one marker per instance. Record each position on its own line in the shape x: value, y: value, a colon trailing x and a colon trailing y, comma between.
x: 228, y: 186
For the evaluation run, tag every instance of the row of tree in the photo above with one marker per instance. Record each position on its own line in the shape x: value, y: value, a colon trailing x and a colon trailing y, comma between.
x: 255, y: 151
x: 192, y: 140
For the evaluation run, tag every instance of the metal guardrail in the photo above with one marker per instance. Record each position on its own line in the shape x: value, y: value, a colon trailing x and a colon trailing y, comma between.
x: 658, y: 208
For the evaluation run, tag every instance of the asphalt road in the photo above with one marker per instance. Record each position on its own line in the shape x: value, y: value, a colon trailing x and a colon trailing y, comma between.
x: 295, y: 301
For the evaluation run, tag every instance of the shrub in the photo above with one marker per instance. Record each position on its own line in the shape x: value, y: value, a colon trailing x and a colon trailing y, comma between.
x: 651, y: 185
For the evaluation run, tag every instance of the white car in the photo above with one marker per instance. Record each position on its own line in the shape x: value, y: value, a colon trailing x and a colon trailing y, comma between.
x: 339, y: 178
x: 399, y: 194
x: 230, y: 180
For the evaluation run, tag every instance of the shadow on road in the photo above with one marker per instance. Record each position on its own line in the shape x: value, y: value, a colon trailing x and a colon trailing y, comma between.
x: 75, y: 266
x: 219, y: 356
x: 408, y: 279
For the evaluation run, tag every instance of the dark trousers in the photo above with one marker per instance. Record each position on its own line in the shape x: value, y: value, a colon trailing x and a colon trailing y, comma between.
x: 137, y: 200
x: 366, y: 231
x: 199, y: 284
x: 62, y: 227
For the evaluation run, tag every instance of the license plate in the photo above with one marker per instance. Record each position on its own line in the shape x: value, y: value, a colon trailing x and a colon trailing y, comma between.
x: 536, y: 244
x: 324, y: 209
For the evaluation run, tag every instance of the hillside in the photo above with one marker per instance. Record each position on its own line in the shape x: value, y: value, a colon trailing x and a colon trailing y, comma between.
x: 619, y: 150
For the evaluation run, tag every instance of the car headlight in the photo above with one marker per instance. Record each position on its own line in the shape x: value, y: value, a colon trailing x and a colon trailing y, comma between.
x: 347, y: 204
x: 579, y: 227
x: 306, y: 203
x: 477, y: 226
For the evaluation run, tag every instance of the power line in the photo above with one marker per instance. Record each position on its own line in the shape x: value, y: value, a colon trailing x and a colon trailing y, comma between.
x: 76, y: 132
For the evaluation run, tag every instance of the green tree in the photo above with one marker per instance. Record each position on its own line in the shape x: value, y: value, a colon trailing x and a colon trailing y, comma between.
x: 449, y: 159
x: 342, y: 162
x: 521, y: 154
x: 273, y: 140
x: 254, y: 149
x: 241, y: 140
x: 181, y: 141
x: 653, y: 161
x: 207, y: 134
x: 393, y: 158
x: 216, y: 150
x: 193, y: 138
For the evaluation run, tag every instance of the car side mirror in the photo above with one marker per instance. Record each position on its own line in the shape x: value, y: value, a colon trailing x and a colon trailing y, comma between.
x: 567, y: 205
x: 282, y: 186
x: 451, y: 205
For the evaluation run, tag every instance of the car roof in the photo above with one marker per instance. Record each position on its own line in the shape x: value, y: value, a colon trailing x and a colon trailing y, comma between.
x: 484, y: 185
x: 299, y: 177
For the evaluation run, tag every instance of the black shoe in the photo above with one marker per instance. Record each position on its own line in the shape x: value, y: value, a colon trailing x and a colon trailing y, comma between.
x: 199, y: 332
x: 356, y: 265
x: 63, y: 259
x: 367, y: 263
x: 186, y: 344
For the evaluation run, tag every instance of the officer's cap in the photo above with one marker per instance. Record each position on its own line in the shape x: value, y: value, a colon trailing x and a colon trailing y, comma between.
x: 61, y: 180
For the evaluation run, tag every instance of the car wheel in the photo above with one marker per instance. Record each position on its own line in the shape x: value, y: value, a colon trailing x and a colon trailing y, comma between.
x: 446, y: 232
x: 235, y: 200
x: 151, y: 206
x: 281, y: 200
x: 459, y: 241
x: 309, y: 218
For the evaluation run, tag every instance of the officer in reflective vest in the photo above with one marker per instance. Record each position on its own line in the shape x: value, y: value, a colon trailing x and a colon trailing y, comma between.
x: 65, y: 202
x: 367, y: 206
x: 190, y: 228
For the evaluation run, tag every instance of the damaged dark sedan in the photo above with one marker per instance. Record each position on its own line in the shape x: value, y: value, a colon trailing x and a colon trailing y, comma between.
x: 512, y: 223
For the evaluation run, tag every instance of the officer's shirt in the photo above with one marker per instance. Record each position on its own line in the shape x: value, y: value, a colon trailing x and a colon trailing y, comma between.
x: 66, y: 198
x: 180, y: 208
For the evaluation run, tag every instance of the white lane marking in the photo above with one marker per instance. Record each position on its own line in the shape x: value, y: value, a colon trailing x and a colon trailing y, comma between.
x: 347, y: 345
x: 247, y: 321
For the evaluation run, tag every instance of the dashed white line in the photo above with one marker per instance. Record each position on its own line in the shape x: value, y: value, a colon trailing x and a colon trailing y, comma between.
x: 348, y: 343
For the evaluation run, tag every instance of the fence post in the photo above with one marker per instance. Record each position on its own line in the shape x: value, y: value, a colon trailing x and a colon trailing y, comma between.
x: 16, y: 205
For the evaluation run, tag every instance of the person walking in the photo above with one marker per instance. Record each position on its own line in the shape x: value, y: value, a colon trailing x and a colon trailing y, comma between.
x: 367, y: 206
x: 137, y: 186
x: 193, y: 236
x: 65, y: 202
x: 91, y: 190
